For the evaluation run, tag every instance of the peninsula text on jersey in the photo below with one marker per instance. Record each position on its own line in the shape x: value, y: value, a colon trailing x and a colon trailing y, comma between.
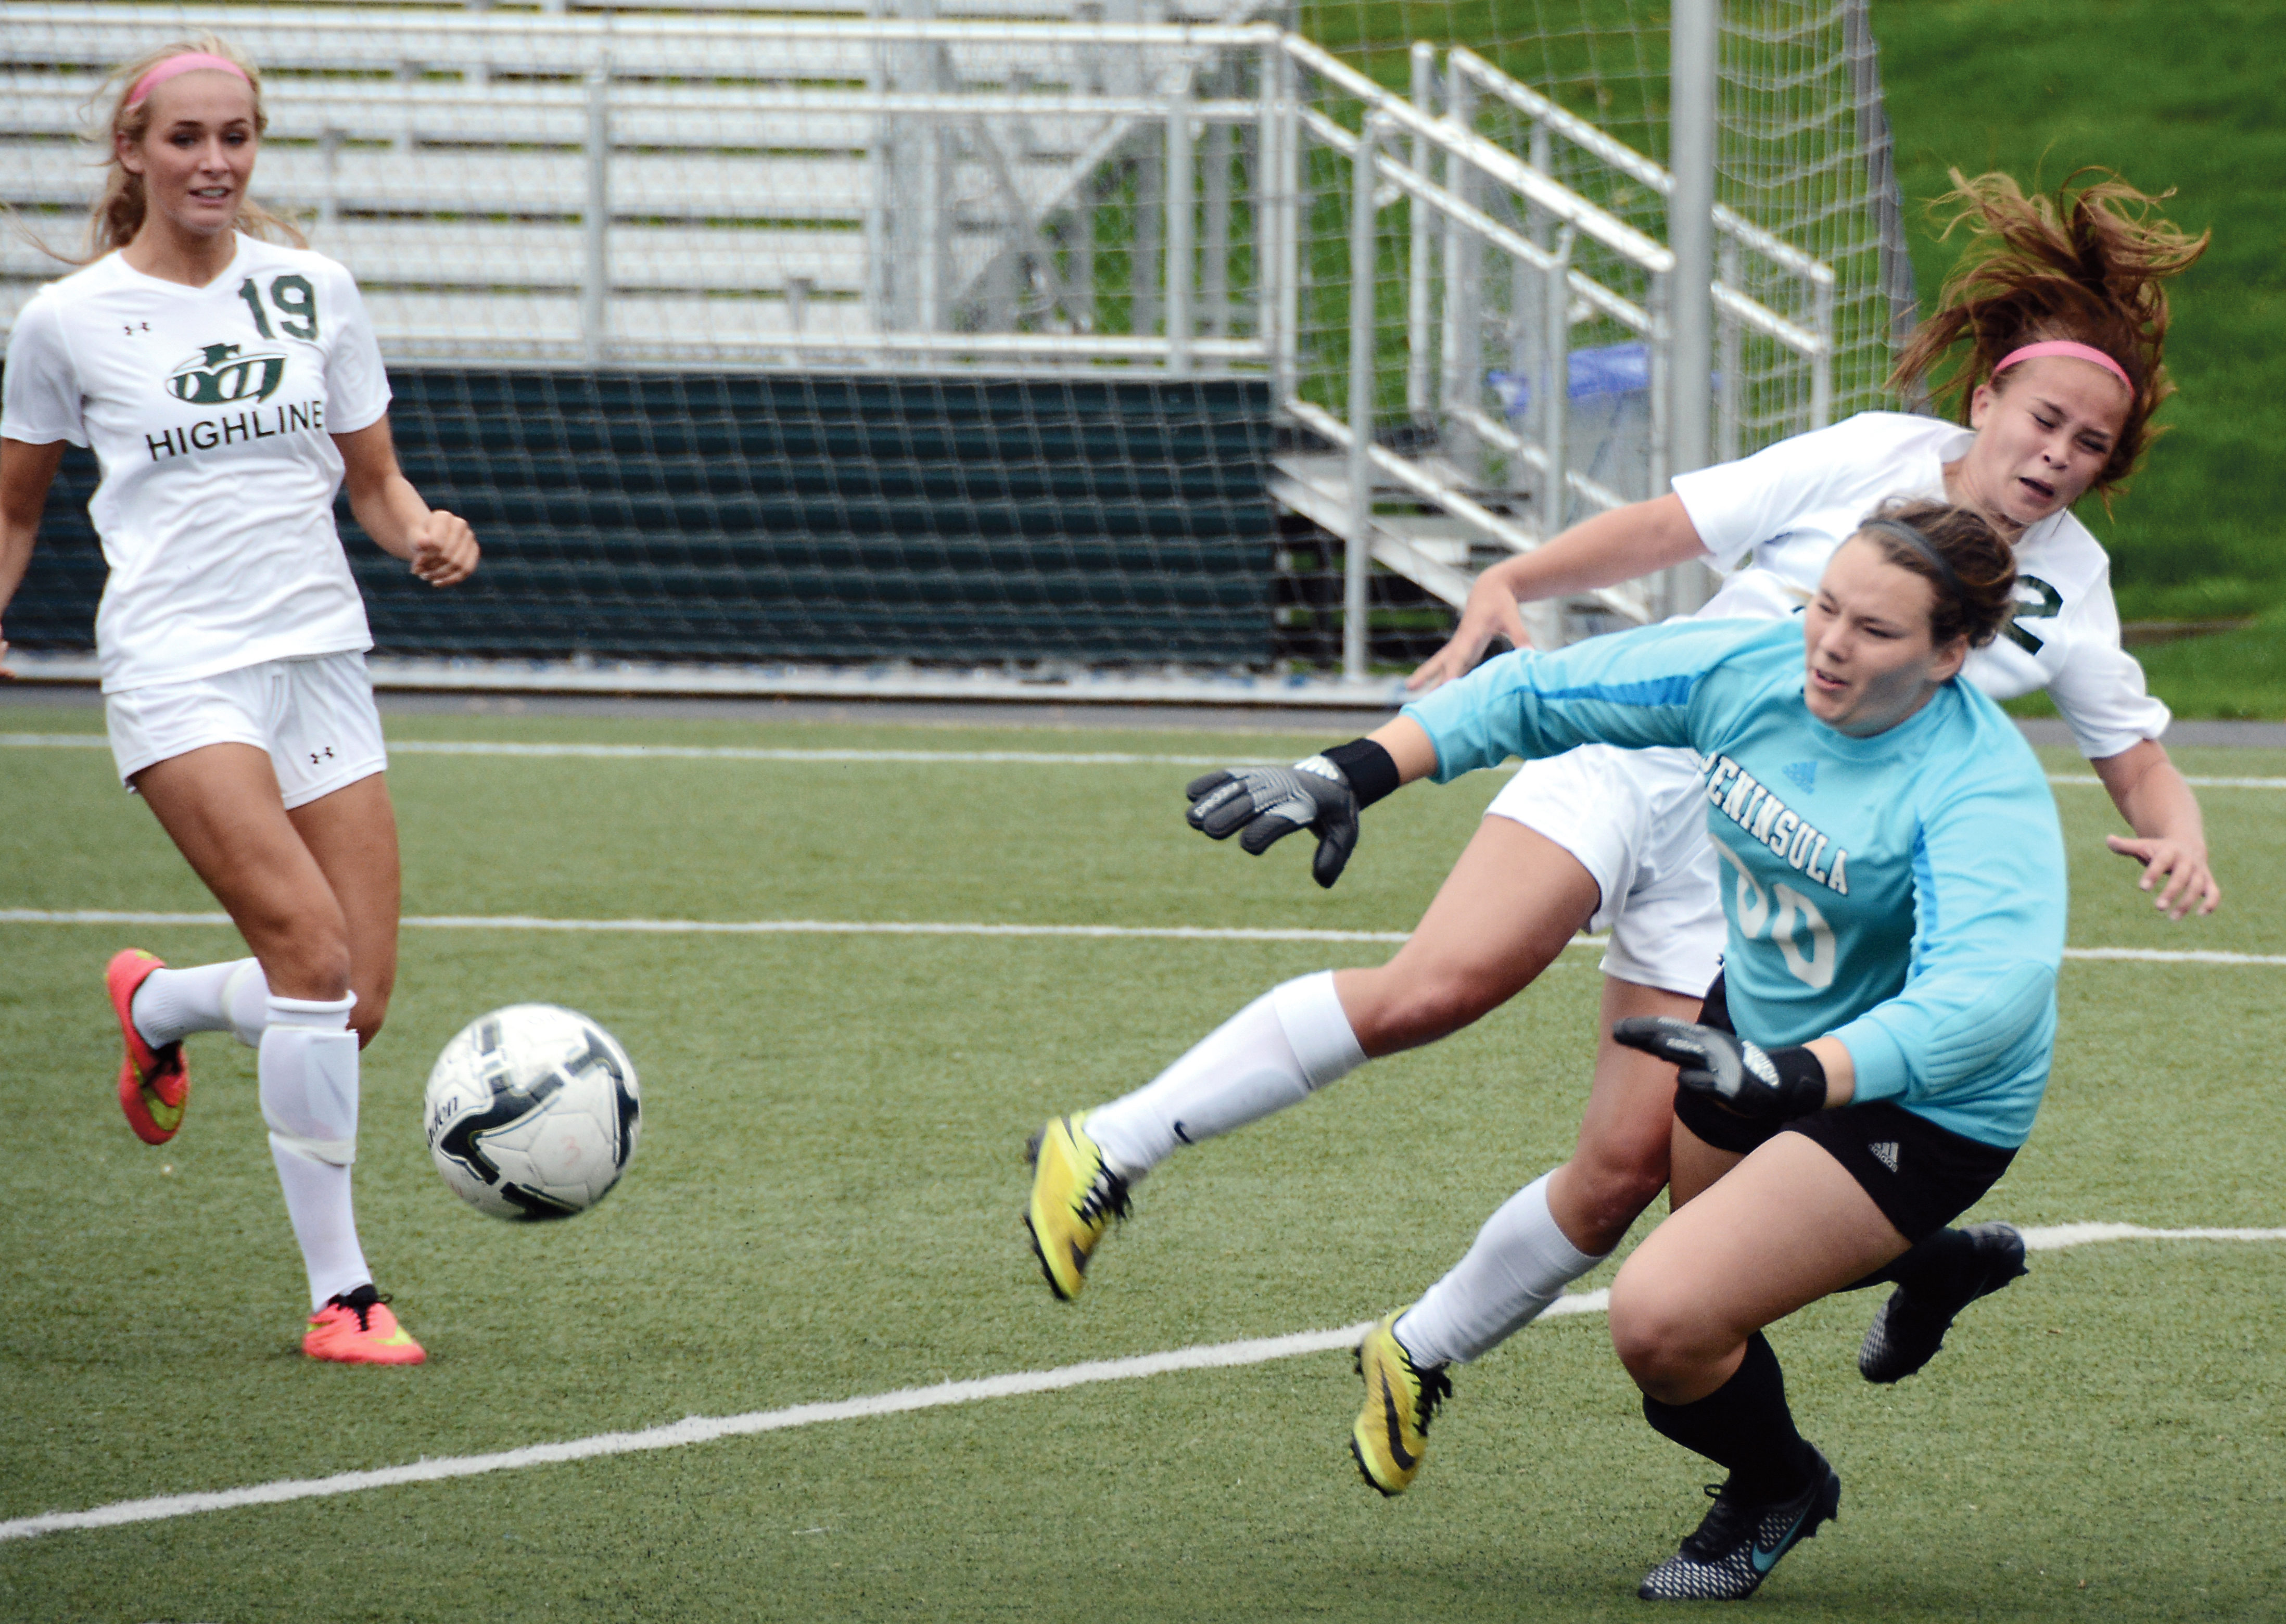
x: 1749, y: 802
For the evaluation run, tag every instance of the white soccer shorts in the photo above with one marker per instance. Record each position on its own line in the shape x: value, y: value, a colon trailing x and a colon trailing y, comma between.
x: 1636, y: 820
x: 315, y: 715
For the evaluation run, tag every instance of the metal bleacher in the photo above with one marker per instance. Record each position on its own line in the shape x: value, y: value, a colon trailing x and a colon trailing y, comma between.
x: 685, y: 312
x: 644, y: 187
x: 988, y: 330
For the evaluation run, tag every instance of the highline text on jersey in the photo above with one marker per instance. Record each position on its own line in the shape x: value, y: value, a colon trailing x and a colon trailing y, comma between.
x: 295, y: 417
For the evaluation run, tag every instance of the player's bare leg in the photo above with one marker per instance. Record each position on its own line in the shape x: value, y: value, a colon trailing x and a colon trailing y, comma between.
x: 1786, y: 1226
x: 1540, y: 1240
x: 221, y: 807
x: 351, y: 835
x: 1512, y: 903
x: 1511, y: 906
x: 1620, y: 1162
x: 1694, y: 1165
x: 1934, y: 1280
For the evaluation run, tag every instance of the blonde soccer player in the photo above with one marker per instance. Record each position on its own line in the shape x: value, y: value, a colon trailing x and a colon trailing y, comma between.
x: 230, y: 384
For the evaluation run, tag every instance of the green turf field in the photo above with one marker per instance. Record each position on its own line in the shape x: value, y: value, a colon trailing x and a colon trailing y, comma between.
x: 825, y: 1206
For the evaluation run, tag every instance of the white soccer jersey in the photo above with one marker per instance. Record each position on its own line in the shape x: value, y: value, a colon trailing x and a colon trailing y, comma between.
x: 1776, y: 517
x: 211, y: 411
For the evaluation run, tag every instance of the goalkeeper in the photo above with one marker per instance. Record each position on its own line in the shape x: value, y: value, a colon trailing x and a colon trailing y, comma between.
x: 1894, y: 898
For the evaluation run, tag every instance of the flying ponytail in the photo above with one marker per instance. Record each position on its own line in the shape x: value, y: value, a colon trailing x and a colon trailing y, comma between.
x: 2088, y: 266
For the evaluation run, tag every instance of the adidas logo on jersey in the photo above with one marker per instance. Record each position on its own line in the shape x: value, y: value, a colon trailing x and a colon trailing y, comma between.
x: 1804, y: 775
x: 1885, y: 1152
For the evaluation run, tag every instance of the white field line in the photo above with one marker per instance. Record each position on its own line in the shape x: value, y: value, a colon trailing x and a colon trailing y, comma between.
x: 2056, y: 1237
x: 758, y: 927
x: 896, y: 927
x: 734, y: 753
x: 2197, y: 782
x: 707, y: 1429
x: 709, y: 753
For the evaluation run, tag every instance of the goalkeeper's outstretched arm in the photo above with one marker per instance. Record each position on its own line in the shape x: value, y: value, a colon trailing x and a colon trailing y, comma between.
x: 1632, y: 689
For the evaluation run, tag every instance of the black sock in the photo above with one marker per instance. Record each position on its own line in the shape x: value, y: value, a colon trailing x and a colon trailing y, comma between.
x: 1930, y: 1266
x: 1743, y: 1425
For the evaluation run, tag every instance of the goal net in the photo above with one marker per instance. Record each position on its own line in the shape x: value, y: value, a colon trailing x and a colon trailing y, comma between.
x: 942, y: 343
x: 1516, y: 340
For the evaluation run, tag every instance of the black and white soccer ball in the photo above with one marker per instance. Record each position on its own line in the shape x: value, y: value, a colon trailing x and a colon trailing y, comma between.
x: 532, y: 1112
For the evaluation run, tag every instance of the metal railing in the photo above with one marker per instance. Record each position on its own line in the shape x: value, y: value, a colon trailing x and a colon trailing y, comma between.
x: 1495, y: 250
x: 758, y: 190
x: 948, y: 152
x: 911, y: 194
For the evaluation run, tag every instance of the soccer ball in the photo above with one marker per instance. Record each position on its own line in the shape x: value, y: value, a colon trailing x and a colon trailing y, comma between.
x: 532, y: 1113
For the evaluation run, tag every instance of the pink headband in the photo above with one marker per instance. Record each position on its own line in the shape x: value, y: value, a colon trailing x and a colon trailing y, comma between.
x: 189, y: 62
x: 2064, y: 346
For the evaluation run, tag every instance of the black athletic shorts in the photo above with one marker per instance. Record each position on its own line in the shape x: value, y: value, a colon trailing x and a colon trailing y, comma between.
x: 1921, y: 1177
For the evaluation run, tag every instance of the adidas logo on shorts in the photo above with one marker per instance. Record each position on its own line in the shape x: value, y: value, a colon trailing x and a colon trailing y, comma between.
x: 1886, y: 1152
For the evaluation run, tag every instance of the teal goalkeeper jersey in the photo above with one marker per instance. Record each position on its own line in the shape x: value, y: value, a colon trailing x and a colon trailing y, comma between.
x: 1904, y: 894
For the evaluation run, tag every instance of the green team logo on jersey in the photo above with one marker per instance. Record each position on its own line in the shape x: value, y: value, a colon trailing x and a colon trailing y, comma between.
x: 223, y: 375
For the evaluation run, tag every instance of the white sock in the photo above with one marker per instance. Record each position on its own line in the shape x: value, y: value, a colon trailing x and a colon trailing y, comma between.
x: 1517, y: 1266
x: 1271, y: 1054
x: 309, y: 1076
x: 170, y: 1004
x: 246, y: 1000
x: 318, y: 1201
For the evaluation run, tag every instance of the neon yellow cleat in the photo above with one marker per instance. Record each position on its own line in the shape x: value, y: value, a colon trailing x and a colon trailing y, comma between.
x: 1391, y: 1438
x: 1074, y: 1197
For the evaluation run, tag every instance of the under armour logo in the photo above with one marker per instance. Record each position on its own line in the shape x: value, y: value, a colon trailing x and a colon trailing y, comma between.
x: 128, y: 327
x: 1886, y: 1153
x: 314, y: 756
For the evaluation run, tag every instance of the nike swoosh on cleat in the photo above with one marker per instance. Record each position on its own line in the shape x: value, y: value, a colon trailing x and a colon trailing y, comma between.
x: 1405, y: 1463
x: 162, y: 1114
x: 1762, y: 1564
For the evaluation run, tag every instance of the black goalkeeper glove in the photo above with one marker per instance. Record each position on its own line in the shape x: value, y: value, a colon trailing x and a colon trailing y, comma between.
x: 1764, y: 1084
x: 1324, y: 793
x: 1269, y: 803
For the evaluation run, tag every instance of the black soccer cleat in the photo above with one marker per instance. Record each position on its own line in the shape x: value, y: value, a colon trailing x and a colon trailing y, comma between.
x: 1910, y: 1327
x: 1734, y: 1550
